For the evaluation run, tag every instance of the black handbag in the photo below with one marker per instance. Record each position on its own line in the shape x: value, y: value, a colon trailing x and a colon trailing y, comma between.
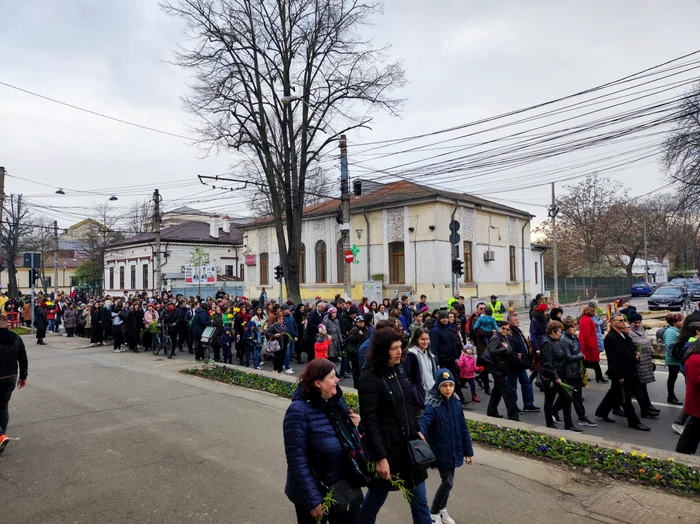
x: 422, y: 457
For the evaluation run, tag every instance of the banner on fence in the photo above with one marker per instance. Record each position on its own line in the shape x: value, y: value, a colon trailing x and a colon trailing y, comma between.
x: 189, y: 273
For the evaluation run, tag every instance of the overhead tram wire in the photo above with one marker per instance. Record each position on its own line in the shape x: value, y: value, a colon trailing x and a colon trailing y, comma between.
x: 638, y: 75
x: 572, y: 107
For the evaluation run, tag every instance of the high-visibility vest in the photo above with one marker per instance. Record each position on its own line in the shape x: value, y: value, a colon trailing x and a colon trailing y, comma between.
x: 496, y: 309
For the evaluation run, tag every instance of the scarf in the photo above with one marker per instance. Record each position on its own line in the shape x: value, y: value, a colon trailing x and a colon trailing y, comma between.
x: 434, y: 397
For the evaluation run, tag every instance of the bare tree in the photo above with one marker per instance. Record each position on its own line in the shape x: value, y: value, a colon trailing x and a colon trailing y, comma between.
x: 681, y: 149
x: 249, y: 55
x: 139, y: 217
x: 16, y: 231
x: 100, y: 236
x: 41, y: 240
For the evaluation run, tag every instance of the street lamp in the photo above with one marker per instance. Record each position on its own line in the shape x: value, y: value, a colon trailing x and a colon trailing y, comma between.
x: 113, y: 198
x: 60, y: 191
x: 288, y: 99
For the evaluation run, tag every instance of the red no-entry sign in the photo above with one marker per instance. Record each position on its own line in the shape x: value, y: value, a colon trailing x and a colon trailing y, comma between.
x: 349, y: 257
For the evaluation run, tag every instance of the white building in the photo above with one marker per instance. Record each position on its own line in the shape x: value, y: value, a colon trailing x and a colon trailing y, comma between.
x: 129, y: 264
x: 400, y: 232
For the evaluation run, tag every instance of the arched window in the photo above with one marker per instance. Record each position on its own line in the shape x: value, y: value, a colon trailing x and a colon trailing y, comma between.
x: 321, y: 263
x: 302, y: 264
x: 340, y: 260
x: 264, y: 270
x: 397, y: 273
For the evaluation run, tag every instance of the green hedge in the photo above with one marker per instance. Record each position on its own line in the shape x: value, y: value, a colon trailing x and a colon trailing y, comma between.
x: 619, y: 464
x: 22, y: 331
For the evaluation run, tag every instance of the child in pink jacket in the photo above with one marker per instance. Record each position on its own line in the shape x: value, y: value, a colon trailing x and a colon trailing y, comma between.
x: 467, y: 369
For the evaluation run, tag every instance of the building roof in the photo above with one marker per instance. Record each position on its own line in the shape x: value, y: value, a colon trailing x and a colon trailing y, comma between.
x: 185, y: 210
x: 187, y: 232
x: 397, y: 193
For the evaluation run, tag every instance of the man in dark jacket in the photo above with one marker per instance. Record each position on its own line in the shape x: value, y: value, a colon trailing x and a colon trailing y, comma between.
x: 40, y: 323
x: 201, y: 320
x: 12, y: 356
x: 354, y: 339
x: 364, y: 347
x: 183, y: 319
x: 499, y: 365
x: 292, y: 330
x: 442, y: 344
x: 622, y: 366
x: 519, y: 346
x: 313, y: 320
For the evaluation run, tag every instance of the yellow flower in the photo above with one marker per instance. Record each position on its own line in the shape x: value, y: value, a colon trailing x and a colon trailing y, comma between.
x: 634, y: 453
x: 562, y: 439
x: 644, y: 455
x: 642, y: 471
x: 670, y: 459
x: 620, y: 451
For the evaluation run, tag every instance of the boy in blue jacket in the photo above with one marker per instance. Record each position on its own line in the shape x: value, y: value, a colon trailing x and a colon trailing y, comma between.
x: 446, y: 431
x: 226, y: 341
x: 253, y: 344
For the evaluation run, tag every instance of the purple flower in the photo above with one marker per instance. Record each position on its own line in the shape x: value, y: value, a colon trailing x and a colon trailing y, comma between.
x: 626, y: 465
x: 542, y: 448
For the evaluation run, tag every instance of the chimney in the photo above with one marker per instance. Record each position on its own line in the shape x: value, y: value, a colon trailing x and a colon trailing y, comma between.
x: 226, y: 226
x: 214, y: 226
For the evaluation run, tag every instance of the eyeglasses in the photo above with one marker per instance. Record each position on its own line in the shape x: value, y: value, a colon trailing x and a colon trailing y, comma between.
x: 622, y: 321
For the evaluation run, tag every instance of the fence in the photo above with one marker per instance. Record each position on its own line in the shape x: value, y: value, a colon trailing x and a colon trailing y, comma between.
x: 208, y: 291
x: 572, y: 289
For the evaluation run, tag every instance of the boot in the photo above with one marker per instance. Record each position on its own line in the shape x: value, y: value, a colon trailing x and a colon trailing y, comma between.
x: 475, y: 399
x: 673, y: 400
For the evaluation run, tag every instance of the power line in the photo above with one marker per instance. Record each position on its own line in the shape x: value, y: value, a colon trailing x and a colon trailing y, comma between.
x: 102, y: 115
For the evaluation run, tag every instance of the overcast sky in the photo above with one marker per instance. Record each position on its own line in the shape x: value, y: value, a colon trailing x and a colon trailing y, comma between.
x: 464, y: 60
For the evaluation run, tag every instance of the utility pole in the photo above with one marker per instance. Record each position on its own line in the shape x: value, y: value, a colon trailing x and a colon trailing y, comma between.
x: 156, y: 227
x: 345, y: 209
x: 2, y: 204
x: 55, y: 258
x: 646, y: 256
x: 553, y: 214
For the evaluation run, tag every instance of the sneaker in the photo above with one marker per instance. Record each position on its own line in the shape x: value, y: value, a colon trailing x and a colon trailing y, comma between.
x: 259, y: 368
x: 574, y: 429
x: 531, y: 409
x: 116, y: 351
x: 4, y: 441
x: 520, y: 412
x: 678, y: 428
x: 435, y: 518
x: 555, y: 418
x: 288, y: 371
x: 446, y: 517
x: 587, y: 422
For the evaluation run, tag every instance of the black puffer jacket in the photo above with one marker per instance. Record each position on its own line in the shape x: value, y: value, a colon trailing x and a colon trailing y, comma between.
x: 12, y: 355
x: 382, y: 421
x: 569, y: 344
x: 553, y: 360
x: 40, y: 321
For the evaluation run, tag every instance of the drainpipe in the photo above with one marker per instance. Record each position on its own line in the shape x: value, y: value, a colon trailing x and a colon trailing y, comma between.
x: 522, y: 235
x: 368, y: 257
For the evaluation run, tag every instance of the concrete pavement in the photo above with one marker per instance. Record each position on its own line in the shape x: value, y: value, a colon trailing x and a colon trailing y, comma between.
x: 109, y: 437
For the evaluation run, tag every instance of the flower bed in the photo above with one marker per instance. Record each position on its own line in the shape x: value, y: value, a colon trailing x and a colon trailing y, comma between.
x: 21, y: 331
x: 616, y: 463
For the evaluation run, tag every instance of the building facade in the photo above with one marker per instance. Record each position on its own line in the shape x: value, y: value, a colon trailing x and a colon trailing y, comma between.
x: 129, y: 264
x: 400, y: 238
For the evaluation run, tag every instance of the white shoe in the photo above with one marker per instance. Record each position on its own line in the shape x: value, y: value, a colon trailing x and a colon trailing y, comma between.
x: 446, y: 519
x: 677, y: 428
x: 288, y: 371
x: 259, y: 368
x: 436, y: 518
x: 116, y: 351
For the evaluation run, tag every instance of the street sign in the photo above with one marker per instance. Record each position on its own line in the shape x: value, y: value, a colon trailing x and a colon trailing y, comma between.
x: 349, y: 256
x: 454, y: 238
x: 454, y: 226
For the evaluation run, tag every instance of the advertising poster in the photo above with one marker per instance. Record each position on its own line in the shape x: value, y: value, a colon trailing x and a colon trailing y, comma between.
x: 189, y: 274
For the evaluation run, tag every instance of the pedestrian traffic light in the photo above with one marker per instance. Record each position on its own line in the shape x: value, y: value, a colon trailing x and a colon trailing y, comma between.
x: 279, y: 274
x: 458, y: 267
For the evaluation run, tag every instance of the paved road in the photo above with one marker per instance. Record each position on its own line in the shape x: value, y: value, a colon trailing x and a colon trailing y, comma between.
x: 107, y: 438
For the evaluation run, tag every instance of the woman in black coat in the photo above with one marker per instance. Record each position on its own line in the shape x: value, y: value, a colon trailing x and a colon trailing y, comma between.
x: 553, y: 370
x: 389, y: 422
x: 40, y: 324
x: 96, y: 325
x: 134, y: 324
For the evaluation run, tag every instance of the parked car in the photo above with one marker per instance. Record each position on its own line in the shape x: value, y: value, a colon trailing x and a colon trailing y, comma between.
x: 641, y: 289
x: 669, y: 297
x: 694, y: 291
x: 678, y: 282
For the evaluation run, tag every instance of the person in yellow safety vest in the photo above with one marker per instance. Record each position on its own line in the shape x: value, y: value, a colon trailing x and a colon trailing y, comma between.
x: 452, y: 300
x: 497, y: 309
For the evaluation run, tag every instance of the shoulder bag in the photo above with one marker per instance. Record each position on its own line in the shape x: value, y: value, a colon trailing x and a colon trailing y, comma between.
x: 422, y: 457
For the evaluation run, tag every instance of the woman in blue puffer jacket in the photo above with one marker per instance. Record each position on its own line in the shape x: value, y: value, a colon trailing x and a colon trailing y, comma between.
x: 317, y: 459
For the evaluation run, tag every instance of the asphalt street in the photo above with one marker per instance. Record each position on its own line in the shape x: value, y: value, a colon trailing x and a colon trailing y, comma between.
x: 105, y: 438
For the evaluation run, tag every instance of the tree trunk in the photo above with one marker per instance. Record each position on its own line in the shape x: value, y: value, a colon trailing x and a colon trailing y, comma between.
x: 12, y: 278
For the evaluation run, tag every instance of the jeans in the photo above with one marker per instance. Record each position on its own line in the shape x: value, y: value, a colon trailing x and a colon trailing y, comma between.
x: 287, y: 356
x: 502, y: 389
x: 7, y: 386
x: 689, y: 440
x: 51, y: 325
x: 443, y: 492
x: 375, y: 499
x: 343, y: 366
x: 525, y: 384
x: 256, y: 356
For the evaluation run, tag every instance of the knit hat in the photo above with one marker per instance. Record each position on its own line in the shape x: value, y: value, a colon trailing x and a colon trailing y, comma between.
x: 634, y: 317
x: 359, y: 319
x: 444, y: 376
x: 332, y: 310
x: 542, y: 308
x: 443, y: 314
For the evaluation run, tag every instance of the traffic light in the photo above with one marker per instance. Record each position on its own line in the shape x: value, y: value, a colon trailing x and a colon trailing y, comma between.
x: 458, y: 267
x: 279, y: 274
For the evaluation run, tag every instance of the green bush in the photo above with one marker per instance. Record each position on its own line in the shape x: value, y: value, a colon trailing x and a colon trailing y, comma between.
x: 22, y: 331
x: 616, y: 463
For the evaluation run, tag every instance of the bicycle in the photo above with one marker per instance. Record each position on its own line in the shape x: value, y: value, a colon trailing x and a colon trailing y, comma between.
x: 161, y: 340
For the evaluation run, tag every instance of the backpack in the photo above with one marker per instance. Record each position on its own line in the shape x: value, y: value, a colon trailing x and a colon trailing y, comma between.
x: 678, y: 350
x: 192, y: 318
